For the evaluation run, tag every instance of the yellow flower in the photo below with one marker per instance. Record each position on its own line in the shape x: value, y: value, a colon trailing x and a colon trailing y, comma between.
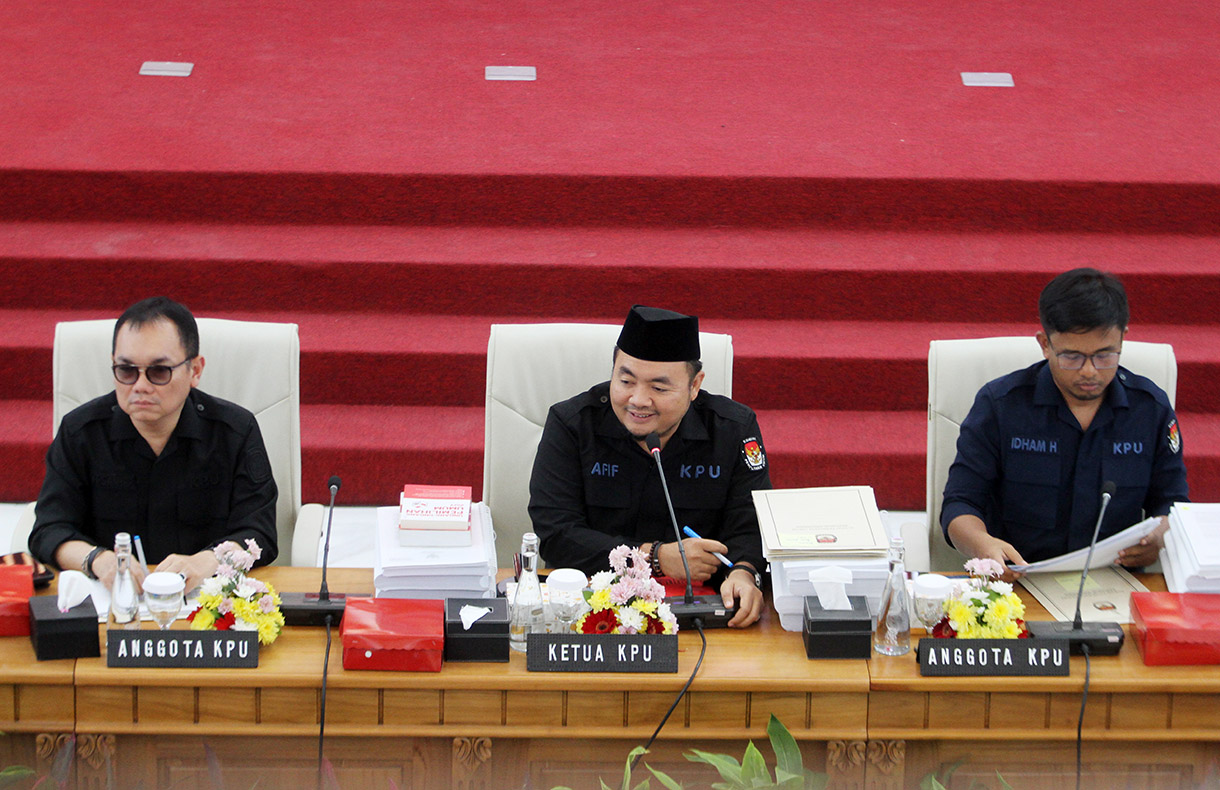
x: 203, y: 620
x: 209, y: 601
x: 269, y: 626
x: 647, y: 607
x: 600, y: 600
x: 246, y: 610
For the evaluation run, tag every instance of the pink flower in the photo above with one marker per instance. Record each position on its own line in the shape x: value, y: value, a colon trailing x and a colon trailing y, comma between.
x: 626, y: 588
x: 984, y: 567
x: 265, y: 604
x: 225, y: 606
x: 253, y: 548
x: 618, y: 558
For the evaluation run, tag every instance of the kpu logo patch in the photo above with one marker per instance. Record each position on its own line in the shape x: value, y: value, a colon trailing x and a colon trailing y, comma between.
x: 752, y: 452
x: 1174, y: 436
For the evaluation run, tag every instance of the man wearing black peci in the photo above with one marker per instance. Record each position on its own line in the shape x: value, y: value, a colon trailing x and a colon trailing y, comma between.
x: 1038, y: 444
x: 595, y: 486
x: 156, y: 458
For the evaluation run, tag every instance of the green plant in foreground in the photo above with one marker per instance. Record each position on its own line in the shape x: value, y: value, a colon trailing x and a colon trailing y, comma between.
x: 750, y: 773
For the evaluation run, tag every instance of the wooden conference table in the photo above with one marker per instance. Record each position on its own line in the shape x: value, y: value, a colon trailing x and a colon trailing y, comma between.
x: 874, y: 724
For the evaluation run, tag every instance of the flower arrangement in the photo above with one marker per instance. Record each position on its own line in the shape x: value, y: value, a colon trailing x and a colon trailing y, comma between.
x: 232, y: 600
x: 985, y: 608
x: 626, y: 599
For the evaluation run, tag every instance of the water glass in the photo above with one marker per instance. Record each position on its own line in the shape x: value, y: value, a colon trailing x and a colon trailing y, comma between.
x: 930, y: 592
x: 566, y: 587
x: 163, y: 594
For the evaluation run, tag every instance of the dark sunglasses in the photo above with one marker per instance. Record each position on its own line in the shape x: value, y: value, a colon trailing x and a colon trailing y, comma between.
x: 159, y: 375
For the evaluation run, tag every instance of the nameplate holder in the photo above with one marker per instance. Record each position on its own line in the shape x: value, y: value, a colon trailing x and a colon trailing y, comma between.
x: 601, y: 653
x: 190, y: 649
x: 985, y: 657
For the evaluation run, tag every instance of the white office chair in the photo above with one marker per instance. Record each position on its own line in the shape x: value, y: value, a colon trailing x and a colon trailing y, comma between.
x: 531, y: 367
x: 957, y: 369
x: 254, y: 364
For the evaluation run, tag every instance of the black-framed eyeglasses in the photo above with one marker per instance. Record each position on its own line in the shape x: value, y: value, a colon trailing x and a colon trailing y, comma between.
x: 159, y: 375
x: 1074, y: 360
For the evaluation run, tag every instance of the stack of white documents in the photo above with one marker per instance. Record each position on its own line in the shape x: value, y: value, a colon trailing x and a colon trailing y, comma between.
x: 806, y: 529
x: 438, y: 571
x: 1191, y: 557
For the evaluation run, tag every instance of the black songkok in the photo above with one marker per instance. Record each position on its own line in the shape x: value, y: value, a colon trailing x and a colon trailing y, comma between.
x: 656, y: 335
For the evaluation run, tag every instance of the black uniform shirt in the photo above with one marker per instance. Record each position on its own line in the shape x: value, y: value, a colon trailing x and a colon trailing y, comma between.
x: 211, y: 483
x: 593, y: 487
x: 1027, y: 470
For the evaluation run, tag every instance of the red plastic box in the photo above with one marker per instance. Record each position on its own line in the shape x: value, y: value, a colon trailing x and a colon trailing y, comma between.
x: 393, y: 633
x: 16, y: 589
x: 1176, y: 628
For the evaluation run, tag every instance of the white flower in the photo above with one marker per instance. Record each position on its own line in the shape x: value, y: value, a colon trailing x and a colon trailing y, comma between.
x: 213, y: 585
x: 241, y: 625
x: 630, y: 620
x: 665, y: 614
x: 1003, y: 588
x: 244, y: 590
x: 602, y: 580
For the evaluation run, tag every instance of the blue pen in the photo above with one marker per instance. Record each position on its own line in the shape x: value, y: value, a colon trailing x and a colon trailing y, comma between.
x: 692, y: 534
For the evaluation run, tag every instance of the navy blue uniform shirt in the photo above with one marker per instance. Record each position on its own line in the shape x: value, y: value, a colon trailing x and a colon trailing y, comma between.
x: 593, y: 487
x: 1027, y: 470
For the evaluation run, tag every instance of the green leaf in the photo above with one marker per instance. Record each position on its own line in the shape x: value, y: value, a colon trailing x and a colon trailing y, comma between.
x: 643, y: 785
x: 787, y: 753
x: 1003, y: 783
x: 754, y: 768
x: 15, y: 774
x: 729, y: 769
x: 815, y: 780
x: 666, y: 781
x: 627, y: 768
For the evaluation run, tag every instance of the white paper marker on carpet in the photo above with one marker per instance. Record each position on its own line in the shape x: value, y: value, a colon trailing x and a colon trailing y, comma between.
x: 518, y: 73
x: 163, y: 68
x: 987, y: 79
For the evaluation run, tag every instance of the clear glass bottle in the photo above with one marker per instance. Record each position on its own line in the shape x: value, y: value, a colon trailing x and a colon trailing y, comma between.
x: 892, y: 636
x: 124, y: 599
x: 527, y: 612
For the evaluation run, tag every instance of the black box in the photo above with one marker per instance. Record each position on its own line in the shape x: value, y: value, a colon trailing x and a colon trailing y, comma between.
x: 843, y: 633
x: 70, y: 634
x: 487, y: 639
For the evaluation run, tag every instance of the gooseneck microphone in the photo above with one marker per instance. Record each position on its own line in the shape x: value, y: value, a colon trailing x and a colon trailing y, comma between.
x: 318, y: 608
x: 1100, y: 639
x: 709, y: 610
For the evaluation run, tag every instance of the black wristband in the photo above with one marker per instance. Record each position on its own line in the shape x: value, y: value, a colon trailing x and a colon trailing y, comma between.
x: 655, y: 559
x: 87, y: 565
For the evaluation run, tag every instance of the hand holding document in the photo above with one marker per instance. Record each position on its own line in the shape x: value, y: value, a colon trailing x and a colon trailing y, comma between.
x: 1105, y: 554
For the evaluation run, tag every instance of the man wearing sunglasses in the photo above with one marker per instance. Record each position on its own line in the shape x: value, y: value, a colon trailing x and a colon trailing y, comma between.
x: 1038, y: 444
x: 157, y: 458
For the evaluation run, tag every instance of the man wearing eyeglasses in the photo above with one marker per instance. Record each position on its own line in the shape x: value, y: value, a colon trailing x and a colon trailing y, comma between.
x: 157, y: 458
x: 1038, y: 444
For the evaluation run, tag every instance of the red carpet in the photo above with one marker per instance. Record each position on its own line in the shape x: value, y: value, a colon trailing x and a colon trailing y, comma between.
x: 811, y: 178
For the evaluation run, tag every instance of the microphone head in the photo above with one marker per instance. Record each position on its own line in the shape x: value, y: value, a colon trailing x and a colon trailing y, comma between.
x: 1108, y: 488
x: 333, y: 482
x: 653, y: 440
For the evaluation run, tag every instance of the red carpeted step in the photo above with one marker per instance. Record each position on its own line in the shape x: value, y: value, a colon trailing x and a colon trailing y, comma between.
x: 376, y: 449
x: 594, y: 272
x: 418, y: 360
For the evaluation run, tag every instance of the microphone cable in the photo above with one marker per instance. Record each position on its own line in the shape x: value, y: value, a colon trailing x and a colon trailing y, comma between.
x: 322, y: 725
x: 681, y: 694
x: 1084, y: 700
